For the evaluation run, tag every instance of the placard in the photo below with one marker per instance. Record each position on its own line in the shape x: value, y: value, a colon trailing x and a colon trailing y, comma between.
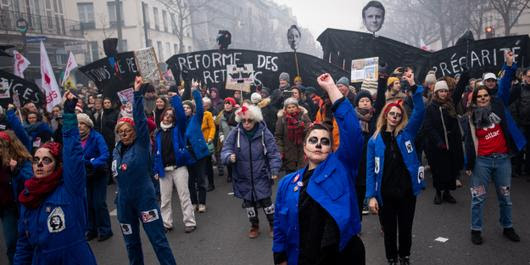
x: 147, y: 64
x: 239, y: 77
x: 364, y: 69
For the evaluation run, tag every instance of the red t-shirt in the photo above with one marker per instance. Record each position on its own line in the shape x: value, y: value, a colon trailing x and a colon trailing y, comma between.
x: 491, y: 141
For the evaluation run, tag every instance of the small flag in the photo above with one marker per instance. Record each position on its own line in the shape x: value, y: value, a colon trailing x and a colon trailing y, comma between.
x: 70, y: 65
x: 48, y: 82
x: 21, y: 63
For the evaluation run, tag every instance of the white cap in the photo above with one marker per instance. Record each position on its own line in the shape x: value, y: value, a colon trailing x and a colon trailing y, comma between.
x: 489, y: 76
x: 441, y: 85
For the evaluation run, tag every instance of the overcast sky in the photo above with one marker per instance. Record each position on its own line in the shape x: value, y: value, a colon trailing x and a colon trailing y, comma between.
x: 319, y: 15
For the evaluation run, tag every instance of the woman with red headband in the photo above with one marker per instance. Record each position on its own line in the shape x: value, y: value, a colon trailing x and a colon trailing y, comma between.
x: 394, y: 176
x: 53, y: 202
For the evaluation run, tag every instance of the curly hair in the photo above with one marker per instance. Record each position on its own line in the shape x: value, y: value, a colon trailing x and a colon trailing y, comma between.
x: 12, y: 149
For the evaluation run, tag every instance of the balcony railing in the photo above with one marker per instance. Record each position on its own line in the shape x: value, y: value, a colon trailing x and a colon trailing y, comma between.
x: 43, y: 25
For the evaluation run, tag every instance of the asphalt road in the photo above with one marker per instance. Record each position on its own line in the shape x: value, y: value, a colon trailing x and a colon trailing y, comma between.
x: 221, y: 237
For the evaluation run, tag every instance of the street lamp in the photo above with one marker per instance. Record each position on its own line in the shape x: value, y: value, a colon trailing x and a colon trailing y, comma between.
x: 490, y: 32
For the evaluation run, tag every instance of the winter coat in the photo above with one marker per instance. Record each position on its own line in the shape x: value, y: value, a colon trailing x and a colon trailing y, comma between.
x: 39, y: 133
x: 256, y: 161
x: 208, y: 127
x: 292, y: 153
x: 269, y: 113
x: 443, y: 145
x: 194, y: 135
x: 375, y: 159
x: 331, y: 185
x: 96, y: 155
x: 105, y: 123
x: 521, y: 95
x: 182, y: 154
x: 54, y: 232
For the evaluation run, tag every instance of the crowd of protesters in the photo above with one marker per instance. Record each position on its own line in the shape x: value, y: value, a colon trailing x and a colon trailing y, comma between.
x: 340, y: 151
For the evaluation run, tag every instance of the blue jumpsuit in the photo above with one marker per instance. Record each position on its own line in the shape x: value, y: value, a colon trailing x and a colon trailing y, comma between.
x: 136, y: 201
x: 54, y: 233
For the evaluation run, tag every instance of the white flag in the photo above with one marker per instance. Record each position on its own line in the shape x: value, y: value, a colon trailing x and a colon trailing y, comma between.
x: 21, y: 63
x: 48, y: 82
x: 70, y: 65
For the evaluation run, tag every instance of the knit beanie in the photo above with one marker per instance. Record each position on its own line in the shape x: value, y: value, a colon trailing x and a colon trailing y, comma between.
x: 297, y: 79
x: 255, y: 98
x: 430, y: 78
x: 285, y: 76
x: 83, y: 118
x: 391, y: 81
x: 441, y: 85
x: 230, y: 100
x: 362, y: 94
x: 344, y: 81
x: 290, y: 101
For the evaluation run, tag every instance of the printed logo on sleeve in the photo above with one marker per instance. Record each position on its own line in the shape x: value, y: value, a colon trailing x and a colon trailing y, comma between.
x: 56, y: 221
x: 421, y: 174
x: 376, y: 167
x: 408, y: 145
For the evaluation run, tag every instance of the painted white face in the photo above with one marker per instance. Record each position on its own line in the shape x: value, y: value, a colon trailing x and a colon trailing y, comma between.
x: 483, y: 98
x: 317, y: 146
x: 394, y: 116
x: 43, y: 163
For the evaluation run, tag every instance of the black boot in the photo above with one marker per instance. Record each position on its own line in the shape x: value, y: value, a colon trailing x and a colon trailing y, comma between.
x: 448, y: 197
x: 438, y: 197
x: 476, y: 237
x: 404, y: 261
x: 392, y: 262
x: 510, y: 234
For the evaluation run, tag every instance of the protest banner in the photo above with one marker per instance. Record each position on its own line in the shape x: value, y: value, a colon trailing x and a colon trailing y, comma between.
x: 239, y: 77
x: 27, y: 91
x: 147, y: 64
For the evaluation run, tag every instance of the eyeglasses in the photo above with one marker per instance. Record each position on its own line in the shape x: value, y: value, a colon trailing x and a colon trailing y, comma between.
x: 125, y: 131
x: 315, y: 141
x: 45, y: 160
x: 483, y: 96
x: 247, y: 121
x: 395, y: 114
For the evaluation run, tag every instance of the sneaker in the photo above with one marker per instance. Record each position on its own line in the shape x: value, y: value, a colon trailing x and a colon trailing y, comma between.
x: 448, y: 197
x: 365, y: 211
x: 510, y: 234
x: 168, y: 229
x: 438, y: 198
x: 202, y: 208
x: 254, y: 232
x: 195, y: 207
x: 189, y: 229
x: 404, y: 261
x: 476, y: 237
x: 392, y: 262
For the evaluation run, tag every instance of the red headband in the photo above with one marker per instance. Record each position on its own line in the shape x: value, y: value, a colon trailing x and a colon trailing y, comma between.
x: 54, y: 147
x: 394, y: 104
x: 244, y: 110
x: 5, y: 136
x: 126, y: 120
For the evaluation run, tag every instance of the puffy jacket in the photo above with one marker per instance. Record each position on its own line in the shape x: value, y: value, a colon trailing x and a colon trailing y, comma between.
x: 375, y: 159
x: 96, y: 152
x: 331, y: 185
x: 208, y: 127
x: 182, y: 155
x: 256, y: 161
x: 133, y: 168
x: 54, y: 233
x: 193, y: 129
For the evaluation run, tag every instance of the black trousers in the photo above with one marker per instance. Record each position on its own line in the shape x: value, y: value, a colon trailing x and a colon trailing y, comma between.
x: 252, y: 207
x: 396, y: 216
x: 209, y: 171
x: 198, y: 182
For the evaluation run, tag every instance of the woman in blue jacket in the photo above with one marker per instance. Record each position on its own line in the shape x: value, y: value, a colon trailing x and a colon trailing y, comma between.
x: 53, y: 202
x: 96, y: 156
x: 316, y: 219
x: 136, y: 200
x: 394, y: 176
x: 252, y: 153
x: 15, y: 168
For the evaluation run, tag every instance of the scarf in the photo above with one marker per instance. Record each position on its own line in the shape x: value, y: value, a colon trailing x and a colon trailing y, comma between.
x: 483, y: 117
x: 37, y: 189
x: 295, y: 127
x: 364, y: 116
x: 165, y: 127
x: 84, y: 136
x: 446, y: 104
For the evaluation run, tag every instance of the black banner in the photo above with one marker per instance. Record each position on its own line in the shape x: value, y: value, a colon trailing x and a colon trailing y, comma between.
x: 210, y: 66
x: 27, y: 91
x: 342, y: 46
x: 110, y: 80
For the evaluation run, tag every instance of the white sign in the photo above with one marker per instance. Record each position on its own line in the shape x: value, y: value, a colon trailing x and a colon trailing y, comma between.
x: 364, y: 69
x: 239, y: 77
x: 147, y: 64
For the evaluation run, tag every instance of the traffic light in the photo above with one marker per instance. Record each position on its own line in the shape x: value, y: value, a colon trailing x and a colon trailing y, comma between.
x: 490, y: 32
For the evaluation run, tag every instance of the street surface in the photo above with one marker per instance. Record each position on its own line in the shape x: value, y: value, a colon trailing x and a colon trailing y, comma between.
x: 221, y: 236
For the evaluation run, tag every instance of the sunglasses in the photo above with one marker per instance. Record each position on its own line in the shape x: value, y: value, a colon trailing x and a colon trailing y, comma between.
x: 483, y: 96
x: 315, y: 141
x: 395, y: 114
x: 45, y: 160
x: 247, y: 121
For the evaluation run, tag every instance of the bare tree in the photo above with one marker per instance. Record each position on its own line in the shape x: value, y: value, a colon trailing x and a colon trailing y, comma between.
x: 510, y: 11
x: 477, y: 9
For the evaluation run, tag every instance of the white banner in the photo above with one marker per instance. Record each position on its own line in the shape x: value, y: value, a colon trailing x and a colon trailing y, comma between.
x: 48, y: 82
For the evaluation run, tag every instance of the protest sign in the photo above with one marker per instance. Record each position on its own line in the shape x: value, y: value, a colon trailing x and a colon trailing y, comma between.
x: 147, y: 64
x: 239, y: 77
x: 26, y: 90
x: 364, y: 69
x: 126, y: 96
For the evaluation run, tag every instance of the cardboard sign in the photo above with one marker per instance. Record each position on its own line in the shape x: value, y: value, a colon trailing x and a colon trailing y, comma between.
x: 239, y: 77
x: 364, y: 69
x: 126, y: 96
x: 147, y: 64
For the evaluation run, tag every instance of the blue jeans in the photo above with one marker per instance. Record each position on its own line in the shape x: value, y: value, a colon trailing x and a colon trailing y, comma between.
x: 497, y: 167
x: 9, y: 216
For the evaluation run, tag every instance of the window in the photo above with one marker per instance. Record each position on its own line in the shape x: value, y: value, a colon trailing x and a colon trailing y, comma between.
x: 123, y: 45
x: 94, y: 50
x: 160, y: 50
x: 173, y: 23
x: 86, y: 15
x: 60, y: 6
x: 149, y: 43
x: 175, y: 48
x: 144, y: 10
x: 49, y: 14
x: 168, y: 48
x: 164, y: 20
x: 112, y: 13
x: 189, y: 48
x: 155, y: 17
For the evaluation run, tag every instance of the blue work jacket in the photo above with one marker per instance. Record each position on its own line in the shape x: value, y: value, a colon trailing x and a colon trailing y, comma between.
x: 331, y: 185
x: 95, y: 150
x: 375, y: 157
x: 193, y: 129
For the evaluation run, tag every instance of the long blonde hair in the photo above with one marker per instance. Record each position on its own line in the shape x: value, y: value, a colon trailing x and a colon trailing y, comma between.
x: 381, y: 120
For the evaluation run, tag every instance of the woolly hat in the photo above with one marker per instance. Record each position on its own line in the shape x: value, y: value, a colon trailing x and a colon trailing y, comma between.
x: 391, y: 81
x: 250, y: 112
x: 363, y: 94
x: 290, y: 101
x: 284, y: 76
x: 440, y: 85
x: 255, y: 98
x: 230, y: 100
x: 190, y: 104
x: 344, y: 81
x: 83, y: 118
x: 430, y: 78
x: 297, y: 79
x: 266, y: 91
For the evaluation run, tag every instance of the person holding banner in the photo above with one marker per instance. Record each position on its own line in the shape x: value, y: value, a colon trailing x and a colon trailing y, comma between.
x: 53, y: 202
x: 316, y: 217
x: 136, y: 200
